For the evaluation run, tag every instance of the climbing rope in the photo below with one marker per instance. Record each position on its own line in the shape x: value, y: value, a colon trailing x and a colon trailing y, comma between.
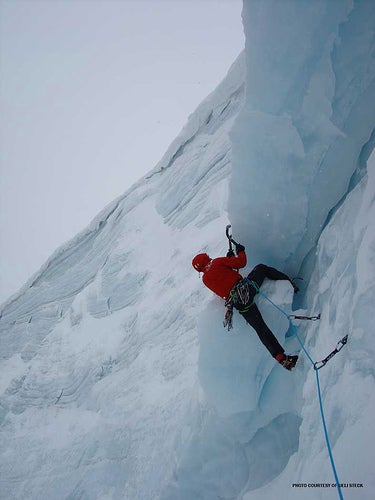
x: 316, y: 366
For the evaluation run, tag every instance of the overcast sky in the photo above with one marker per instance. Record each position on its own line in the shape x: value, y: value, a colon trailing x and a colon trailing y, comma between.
x: 92, y: 94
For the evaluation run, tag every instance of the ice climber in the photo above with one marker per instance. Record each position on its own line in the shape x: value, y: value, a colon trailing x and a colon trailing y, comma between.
x: 222, y: 277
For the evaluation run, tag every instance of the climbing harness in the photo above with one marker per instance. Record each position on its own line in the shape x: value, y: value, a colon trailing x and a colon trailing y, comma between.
x: 243, y: 292
x: 316, y: 366
x: 239, y: 296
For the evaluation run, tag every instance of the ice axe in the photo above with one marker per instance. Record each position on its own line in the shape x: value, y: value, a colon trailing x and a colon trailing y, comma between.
x: 229, y: 236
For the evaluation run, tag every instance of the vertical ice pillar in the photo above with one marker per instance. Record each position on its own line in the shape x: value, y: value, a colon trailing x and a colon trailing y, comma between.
x: 296, y: 143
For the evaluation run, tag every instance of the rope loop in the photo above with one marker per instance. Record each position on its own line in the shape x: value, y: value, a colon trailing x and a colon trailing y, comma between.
x: 316, y: 369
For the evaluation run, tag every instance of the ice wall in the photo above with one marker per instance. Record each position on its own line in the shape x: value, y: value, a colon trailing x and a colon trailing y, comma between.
x: 342, y: 289
x: 248, y: 422
x: 117, y: 379
x: 309, y: 114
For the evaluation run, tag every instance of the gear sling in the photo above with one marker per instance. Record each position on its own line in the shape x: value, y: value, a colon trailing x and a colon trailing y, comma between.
x: 241, y: 297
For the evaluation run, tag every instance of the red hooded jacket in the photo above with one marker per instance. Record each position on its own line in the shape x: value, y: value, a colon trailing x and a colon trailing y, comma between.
x: 220, y: 275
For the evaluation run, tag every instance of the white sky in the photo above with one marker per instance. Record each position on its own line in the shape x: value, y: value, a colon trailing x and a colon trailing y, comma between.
x: 92, y: 94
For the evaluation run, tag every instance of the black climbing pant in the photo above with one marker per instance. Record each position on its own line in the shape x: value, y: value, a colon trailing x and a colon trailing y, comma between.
x: 253, y: 316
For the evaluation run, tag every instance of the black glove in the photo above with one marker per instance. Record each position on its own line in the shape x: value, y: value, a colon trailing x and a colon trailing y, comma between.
x: 240, y: 248
x: 230, y: 253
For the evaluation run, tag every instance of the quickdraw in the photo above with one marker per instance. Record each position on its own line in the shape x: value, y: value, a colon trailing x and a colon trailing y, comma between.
x: 340, y: 344
x: 228, y: 320
x: 307, y: 318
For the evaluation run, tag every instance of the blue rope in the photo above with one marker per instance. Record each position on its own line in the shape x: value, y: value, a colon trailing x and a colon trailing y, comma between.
x: 294, y: 329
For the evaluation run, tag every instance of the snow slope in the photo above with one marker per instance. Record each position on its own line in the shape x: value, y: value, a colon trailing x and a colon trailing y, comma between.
x: 99, y: 351
x: 117, y: 380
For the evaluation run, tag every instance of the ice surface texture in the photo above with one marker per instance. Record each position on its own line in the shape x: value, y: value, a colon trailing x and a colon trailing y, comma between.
x: 99, y: 351
x: 310, y: 107
x: 117, y: 380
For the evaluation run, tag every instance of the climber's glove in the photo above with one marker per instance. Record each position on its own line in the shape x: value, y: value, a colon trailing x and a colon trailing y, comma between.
x: 239, y: 248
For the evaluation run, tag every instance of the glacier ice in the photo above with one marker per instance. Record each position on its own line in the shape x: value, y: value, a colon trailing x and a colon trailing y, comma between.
x: 310, y: 107
x: 117, y: 379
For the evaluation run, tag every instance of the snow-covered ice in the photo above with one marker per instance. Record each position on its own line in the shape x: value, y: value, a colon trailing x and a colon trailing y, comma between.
x: 117, y: 379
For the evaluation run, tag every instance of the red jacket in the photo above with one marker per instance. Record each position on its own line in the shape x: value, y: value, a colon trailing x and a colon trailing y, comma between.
x: 220, y: 275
